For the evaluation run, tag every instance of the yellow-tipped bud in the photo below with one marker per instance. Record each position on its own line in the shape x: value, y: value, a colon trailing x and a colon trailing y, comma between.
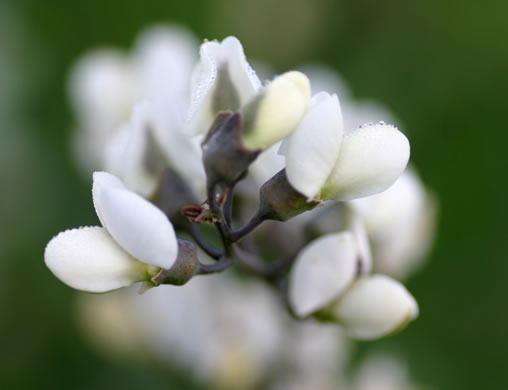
x: 274, y: 113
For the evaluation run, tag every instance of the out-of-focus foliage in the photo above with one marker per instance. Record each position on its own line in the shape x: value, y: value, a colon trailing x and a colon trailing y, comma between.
x: 439, y: 66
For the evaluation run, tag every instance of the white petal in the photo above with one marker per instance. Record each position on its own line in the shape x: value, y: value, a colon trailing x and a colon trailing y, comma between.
x: 114, y: 153
x: 103, y: 180
x: 154, y: 140
x: 400, y: 222
x: 375, y: 306
x: 371, y: 159
x: 89, y: 259
x: 215, y: 56
x: 165, y: 56
x: 183, y: 152
x: 103, y: 88
x: 322, y: 271
x: 399, y: 205
x: 136, y: 225
x: 313, y: 148
x: 144, y: 156
x: 275, y: 113
x: 402, y: 253
x: 243, y: 76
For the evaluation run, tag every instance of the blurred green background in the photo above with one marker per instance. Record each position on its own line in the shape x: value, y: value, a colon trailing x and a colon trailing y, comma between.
x: 441, y: 67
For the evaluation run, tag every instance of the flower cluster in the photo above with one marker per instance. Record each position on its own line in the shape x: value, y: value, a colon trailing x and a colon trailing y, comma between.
x: 197, y: 142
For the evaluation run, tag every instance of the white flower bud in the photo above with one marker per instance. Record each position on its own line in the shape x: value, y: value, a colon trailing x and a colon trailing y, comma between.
x: 313, y: 148
x: 276, y: 111
x: 371, y: 158
x: 375, y: 306
x: 89, y: 259
x: 322, y: 271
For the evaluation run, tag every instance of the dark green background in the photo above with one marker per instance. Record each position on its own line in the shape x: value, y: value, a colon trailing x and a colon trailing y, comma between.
x: 441, y: 66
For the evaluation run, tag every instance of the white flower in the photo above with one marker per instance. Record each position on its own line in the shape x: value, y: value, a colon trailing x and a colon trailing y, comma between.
x: 149, y: 143
x: 136, y: 241
x: 224, y: 81
x: 324, y: 162
x: 103, y: 88
x: 375, y: 306
x: 328, y: 277
x: 164, y: 57
x: 330, y: 156
x: 400, y: 224
x: 221, y: 329
x: 105, y: 85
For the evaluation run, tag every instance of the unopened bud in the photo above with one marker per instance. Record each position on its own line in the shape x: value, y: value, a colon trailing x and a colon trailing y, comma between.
x: 274, y: 113
x: 224, y: 156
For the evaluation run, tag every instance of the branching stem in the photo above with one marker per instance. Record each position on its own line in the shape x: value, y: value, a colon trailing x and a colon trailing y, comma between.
x: 219, y: 266
x: 231, y: 253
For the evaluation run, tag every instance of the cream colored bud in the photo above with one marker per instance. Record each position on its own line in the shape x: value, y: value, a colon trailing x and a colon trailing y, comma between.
x: 274, y: 113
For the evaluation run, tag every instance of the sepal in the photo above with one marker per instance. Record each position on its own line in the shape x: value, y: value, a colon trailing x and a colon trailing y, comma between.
x: 279, y: 201
x: 185, y: 267
x: 225, y: 157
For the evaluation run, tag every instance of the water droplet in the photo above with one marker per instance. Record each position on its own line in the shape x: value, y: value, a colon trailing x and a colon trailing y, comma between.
x: 382, y: 123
